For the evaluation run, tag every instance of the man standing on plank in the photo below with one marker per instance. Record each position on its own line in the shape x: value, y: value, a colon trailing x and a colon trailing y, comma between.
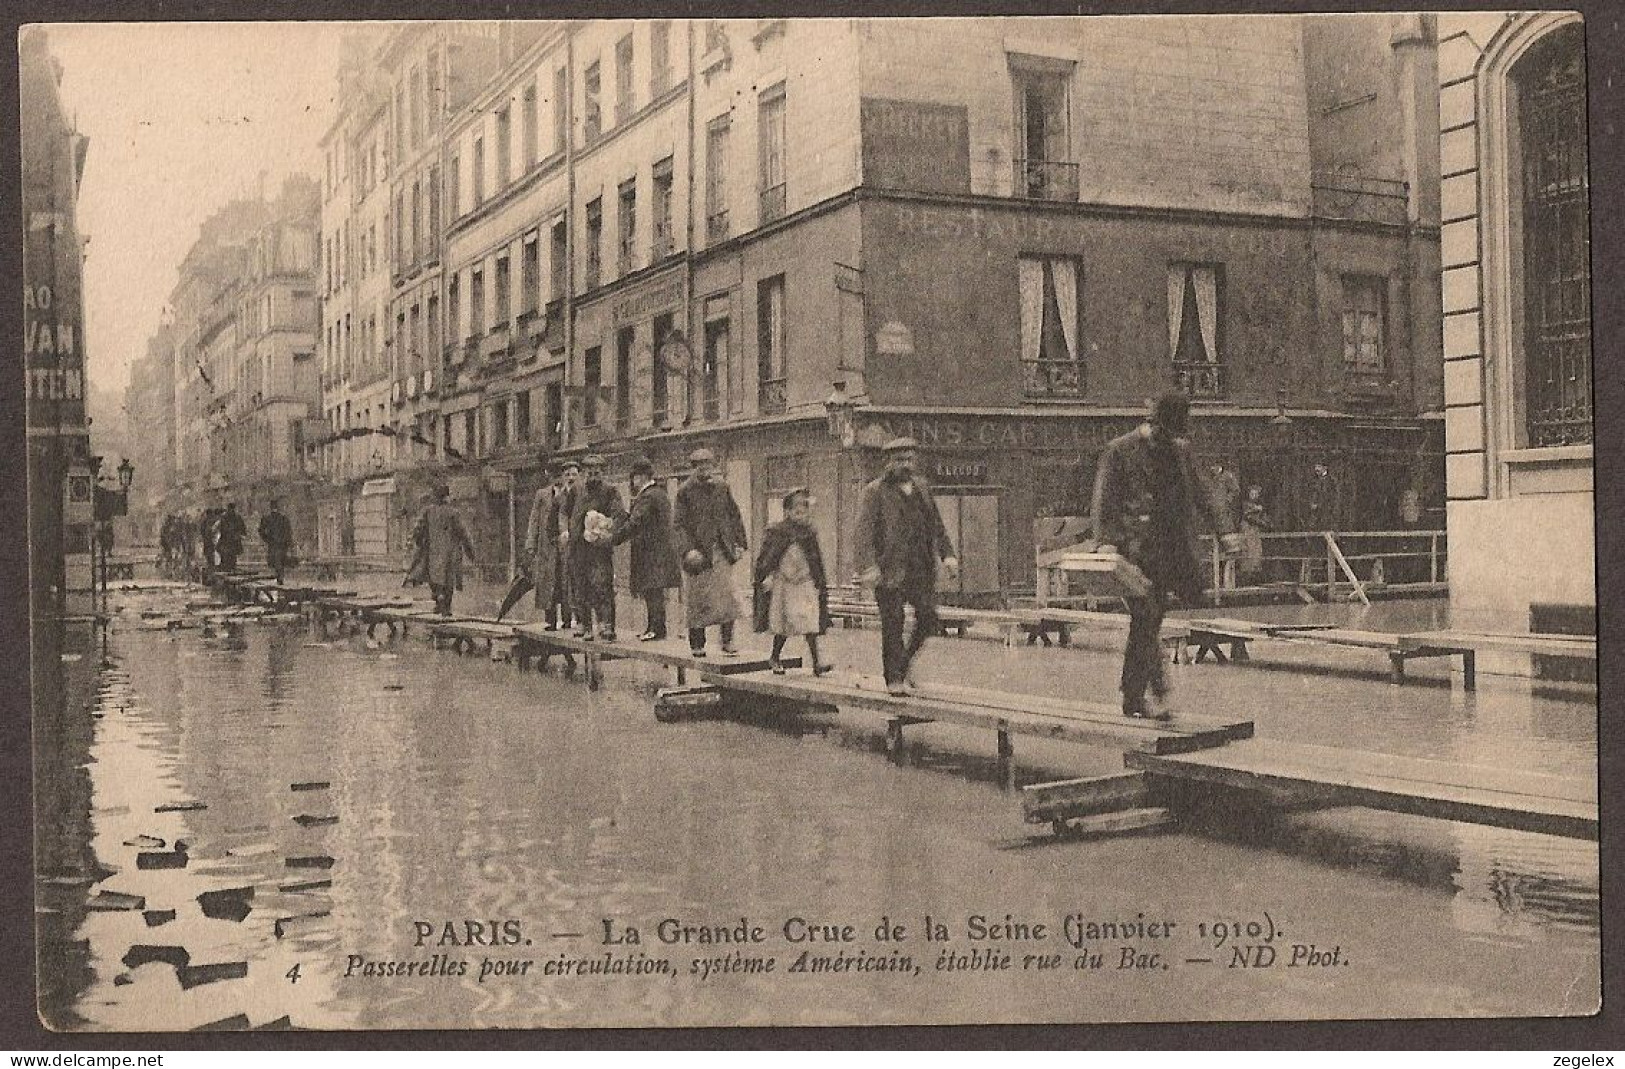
x: 710, y: 537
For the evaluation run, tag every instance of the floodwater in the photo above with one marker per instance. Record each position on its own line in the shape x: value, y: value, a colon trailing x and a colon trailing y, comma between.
x: 372, y: 815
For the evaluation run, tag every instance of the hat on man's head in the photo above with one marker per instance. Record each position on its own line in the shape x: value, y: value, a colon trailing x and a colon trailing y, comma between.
x: 702, y: 456
x: 592, y: 460
x: 1172, y: 412
x: 897, y: 445
x: 566, y: 465
x: 643, y: 466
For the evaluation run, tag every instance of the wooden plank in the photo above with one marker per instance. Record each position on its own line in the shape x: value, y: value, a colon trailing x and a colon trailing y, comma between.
x: 1342, y: 636
x: 1042, y: 803
x: 1210, y: 730
x: 1499, y: 797
x: 1119, y: 823
x: 673, y: 653
x: 845, y: 692
x: 1577, y: 646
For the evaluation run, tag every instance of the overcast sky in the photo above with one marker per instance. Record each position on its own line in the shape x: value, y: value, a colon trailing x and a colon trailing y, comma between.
x: 181, y: 117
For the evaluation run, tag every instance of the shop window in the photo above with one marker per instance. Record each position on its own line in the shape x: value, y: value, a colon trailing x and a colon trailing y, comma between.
x: 716, y: 358
x: 659, y: 385
x: 1051, y: 326
x: 1195, y: 317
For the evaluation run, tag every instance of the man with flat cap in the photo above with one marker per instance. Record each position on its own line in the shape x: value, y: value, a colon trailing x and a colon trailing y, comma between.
x: 710, y: 538
x: 596, y: 511
x: 900, y: 539
x: 1150, y: 505
x: 652, y: 558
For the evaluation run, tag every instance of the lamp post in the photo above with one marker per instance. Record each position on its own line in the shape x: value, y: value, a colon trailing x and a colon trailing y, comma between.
x: 838, y: 409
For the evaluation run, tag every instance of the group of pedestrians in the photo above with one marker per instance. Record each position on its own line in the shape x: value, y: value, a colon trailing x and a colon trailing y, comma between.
x: 217, y: 536
x: 1150, y: 504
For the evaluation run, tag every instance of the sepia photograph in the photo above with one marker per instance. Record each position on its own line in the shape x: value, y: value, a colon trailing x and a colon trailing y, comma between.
x: 803, y: 521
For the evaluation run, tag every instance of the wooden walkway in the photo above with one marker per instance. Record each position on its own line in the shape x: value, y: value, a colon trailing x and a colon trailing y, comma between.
x: 1332, y: 776
x: 1162, y: 754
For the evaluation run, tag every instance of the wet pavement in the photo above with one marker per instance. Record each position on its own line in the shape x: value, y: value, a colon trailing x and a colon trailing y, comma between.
x: 282, y: 823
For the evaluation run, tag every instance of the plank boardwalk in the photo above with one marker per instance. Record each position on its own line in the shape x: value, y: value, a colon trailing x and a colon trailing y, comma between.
x: 1448, y: 790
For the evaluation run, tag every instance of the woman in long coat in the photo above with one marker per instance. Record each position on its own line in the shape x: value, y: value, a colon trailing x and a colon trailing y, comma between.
x: 791, y: 589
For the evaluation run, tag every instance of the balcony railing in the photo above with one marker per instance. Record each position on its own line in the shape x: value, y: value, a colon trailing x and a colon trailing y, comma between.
x: 773, y: 203
x: 1046, y: 180
x: 773, y: 396
x: 1348, y: 196
x: 716, y: 226
x: 1199, y: 378
x: 1052, y: 378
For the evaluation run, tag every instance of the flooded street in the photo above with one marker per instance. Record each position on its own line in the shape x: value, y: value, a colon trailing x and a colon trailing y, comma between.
x: 323, y: 828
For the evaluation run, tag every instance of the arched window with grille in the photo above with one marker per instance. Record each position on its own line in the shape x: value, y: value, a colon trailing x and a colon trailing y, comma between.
x: 1552, y: 206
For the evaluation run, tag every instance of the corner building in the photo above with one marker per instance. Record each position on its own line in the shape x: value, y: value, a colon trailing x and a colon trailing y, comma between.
x: 792, y: 239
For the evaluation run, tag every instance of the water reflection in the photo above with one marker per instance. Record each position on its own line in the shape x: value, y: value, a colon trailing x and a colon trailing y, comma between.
x: 362, y: 787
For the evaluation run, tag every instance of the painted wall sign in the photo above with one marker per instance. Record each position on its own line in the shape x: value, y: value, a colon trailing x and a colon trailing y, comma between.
x: 917, y: 146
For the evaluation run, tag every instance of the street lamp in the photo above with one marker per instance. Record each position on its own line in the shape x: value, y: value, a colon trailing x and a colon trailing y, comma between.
x: 838, y: 409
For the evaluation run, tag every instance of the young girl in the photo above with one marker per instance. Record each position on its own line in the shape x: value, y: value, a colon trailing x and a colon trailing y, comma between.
x: 791, y: 591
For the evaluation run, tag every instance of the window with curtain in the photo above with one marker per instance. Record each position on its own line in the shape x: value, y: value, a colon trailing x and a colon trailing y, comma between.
x: 1051, y: 326
x: 1195, y: 292
x: 770, y: 145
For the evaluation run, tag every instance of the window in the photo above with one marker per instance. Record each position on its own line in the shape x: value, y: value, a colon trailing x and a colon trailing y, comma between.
x: 659, y: 58
x: 499, y: 424
x: 1364, y: 324
x: 432, y: 341
x: 504, y: 294
x: 454, y: 312
x: 529, y: 133
x: 1550, y: 86
x: 504, y: 146
x: 658, y: 384
x: 716, y: 358
x: 414, y: 348
x: 624, y: 105
x: 1051, y: 326
x: 716, y: 179
x: 558, y: 260
x: 595, y: 241
x: 1044, y: 167
x: 592, y: 108
x: 415, y: 242
x: 476, y: 302
x: 400, y: 121
x: 470, y: 435
x: 662, y: 245
x: 592, y: 380
x: 521, y: 416
x: 415, y: 103
x: 625, y: 339
x: 553, y: 412
x: 561, y: 81
x: 771, y: 148
x: 479, y: 171
x: 454, y: 175
x: 772, y: 389
x: 434, y: 210
x: 627, y: 224
x: 530, y: 275
x: 1195, y: 296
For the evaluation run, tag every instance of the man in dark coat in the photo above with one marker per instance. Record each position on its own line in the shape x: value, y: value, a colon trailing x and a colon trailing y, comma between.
x: 654, y: 562
x: 232, y: 532
x: 1150, y: 505
x: 277, y: 534
x: 560, y: 603
x: 900, y: 538
x: 440, y: 541
x: 710, y: 538
x: 596, y: 510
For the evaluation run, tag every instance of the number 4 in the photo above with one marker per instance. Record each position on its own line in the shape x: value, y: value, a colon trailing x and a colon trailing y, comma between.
x: 292, y: 975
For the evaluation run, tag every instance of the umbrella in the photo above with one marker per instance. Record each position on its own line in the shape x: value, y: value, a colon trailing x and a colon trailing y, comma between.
x: 522, y: 584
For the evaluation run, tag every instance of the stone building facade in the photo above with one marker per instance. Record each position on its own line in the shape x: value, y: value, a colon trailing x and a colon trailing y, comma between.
x: 1517, y: 337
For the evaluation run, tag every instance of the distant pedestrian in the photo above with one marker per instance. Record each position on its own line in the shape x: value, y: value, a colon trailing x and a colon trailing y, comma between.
x: 711, y: 537
x: 653, y: 559
x: 1255, y: 520
x: 440, y: 541
x: 791, y: 587
x: 596, y: 512
x: 277, y: 534
x: 1224, y: 487
x: 209, y: 536
x: 230, y: 540
x: 1149, y: 504
x: 900, y: 539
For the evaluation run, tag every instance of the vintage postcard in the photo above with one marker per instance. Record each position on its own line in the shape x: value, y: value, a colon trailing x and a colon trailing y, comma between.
x: 807, y: 521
